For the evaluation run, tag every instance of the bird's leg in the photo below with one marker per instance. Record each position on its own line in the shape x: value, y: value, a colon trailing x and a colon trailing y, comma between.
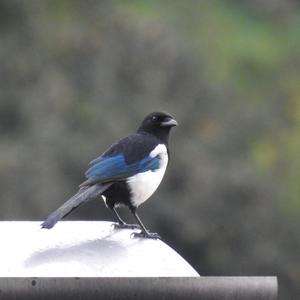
x: 122, y: 224
x: 144, y: 233
x: 120, y: 221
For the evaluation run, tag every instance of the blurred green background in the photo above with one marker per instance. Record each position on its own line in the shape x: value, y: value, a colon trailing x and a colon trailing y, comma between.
x: 77, y: 75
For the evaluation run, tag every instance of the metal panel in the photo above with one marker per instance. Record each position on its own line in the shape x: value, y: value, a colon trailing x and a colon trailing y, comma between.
x: 84, y: 249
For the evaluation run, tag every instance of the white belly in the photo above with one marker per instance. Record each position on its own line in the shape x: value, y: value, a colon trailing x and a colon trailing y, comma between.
x: 143, y: 185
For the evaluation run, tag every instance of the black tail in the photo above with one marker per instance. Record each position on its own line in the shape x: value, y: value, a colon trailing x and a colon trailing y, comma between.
x: 84, y: 194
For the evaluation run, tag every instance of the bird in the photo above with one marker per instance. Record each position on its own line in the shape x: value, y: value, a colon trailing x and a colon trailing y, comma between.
x: 126, y: 174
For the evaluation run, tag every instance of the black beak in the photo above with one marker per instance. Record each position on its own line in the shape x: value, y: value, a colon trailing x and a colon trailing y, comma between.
x: 170, y: 122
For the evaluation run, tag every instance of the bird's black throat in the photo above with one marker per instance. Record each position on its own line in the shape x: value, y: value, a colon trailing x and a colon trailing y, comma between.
x: 162, y: 133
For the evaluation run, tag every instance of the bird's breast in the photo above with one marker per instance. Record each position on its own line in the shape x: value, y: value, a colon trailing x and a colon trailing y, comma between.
x: 143, y: 185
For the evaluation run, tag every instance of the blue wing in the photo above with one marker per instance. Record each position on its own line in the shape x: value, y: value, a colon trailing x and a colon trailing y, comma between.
x: 109, y: 168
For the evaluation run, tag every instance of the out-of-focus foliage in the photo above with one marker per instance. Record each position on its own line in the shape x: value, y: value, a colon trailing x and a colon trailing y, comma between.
x: 76, y: 75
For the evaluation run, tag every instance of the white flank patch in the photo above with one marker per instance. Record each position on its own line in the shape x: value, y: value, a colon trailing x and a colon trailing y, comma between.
x: 143, y: 185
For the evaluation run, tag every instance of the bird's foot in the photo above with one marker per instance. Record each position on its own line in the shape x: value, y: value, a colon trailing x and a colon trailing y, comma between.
x: 125, y: 226
x: 146, y: 235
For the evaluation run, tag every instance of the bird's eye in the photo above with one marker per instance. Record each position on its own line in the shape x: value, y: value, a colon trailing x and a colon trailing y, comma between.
x: 154, y: 118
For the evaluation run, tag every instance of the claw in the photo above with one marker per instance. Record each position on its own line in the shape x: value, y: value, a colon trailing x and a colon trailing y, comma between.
x: 125, y: 226
x: 148, y: 235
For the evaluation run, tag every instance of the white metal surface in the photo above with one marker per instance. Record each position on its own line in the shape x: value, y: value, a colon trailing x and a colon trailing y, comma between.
x: 84, y: 249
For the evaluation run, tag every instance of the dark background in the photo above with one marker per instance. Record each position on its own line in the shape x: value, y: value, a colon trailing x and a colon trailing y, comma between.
x: 77, y: 75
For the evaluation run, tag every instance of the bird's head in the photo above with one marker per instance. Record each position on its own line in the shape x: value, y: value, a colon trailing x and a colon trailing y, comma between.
x: 158, y: 124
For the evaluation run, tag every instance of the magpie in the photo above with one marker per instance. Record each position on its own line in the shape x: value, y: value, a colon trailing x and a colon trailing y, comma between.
x: 127, y: 173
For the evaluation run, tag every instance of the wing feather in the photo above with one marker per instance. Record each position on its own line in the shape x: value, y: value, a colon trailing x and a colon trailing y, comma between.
x: 111, y: 168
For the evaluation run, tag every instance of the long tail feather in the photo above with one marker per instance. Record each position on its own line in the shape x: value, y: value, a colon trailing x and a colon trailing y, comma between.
x: 84, y: 194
